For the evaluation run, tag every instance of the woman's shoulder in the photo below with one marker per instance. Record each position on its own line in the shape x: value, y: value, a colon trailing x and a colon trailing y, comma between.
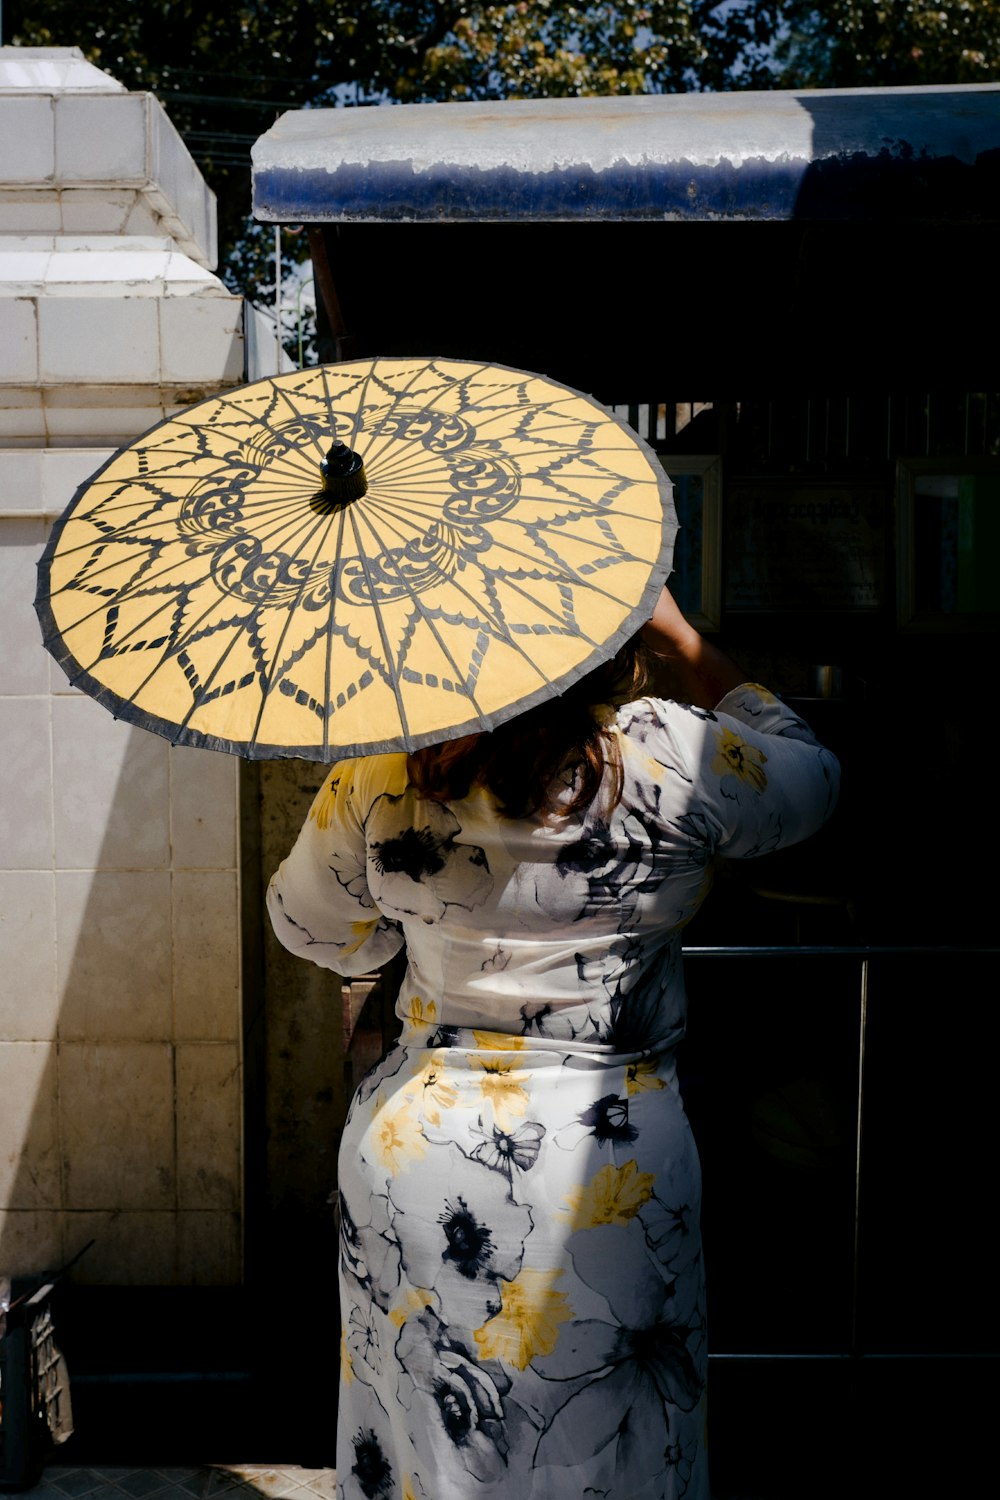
x: 750, y: 703
x: 643, y: 716
x: 369, y: 776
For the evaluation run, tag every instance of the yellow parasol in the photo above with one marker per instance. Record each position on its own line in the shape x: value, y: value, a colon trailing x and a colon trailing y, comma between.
x: 366, y: 556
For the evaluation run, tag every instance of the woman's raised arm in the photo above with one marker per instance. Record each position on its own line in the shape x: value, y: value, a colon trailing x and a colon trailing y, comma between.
x: 702, y: 672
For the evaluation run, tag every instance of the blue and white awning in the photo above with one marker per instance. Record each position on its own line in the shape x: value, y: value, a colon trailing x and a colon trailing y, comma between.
x: 905, y: 154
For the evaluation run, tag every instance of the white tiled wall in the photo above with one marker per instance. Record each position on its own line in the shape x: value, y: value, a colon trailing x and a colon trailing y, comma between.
x: 189, y: 325
x: 120, y: 1025
x: 71, y: 330
x: 27, y: 138
x: 100, y: 137
x: 101, y: 336
x: 19, y: 342
x: 62, y: 144
x: 120, y: 1061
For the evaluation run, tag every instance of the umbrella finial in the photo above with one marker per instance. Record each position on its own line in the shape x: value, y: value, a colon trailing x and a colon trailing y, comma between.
x: 344, y: 478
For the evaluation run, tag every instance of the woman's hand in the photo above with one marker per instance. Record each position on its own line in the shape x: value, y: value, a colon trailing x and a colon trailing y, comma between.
x: 703, y: 673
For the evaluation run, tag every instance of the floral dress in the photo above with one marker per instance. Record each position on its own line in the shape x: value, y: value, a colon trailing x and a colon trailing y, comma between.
x: 521, y: 1271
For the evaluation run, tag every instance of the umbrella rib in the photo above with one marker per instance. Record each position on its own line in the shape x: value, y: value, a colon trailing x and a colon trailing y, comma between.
x: 356, y: 418
x: 601, y: 413
x: 217, y: 665
x: 231, y: 402
x: 296, y: 411
x: 328, y: 398
x: 322, y: 531
x: 168, y: 522
x: 502, y: 630
x: 381, y: 628
x: 356, y: 427
x: 234, y: 431
x: 432, y: 627
x: 294, y: 454
x: 568, y: 575
x: 176, y: 646
x: 114, y: 601
x: 371, y: 452
x: 269, y: 549
x: 398, y: 469
x: 123, y: 592
x: 328, y: 669
x: 234, y: 428
x: 134, y: 694
x: 413, y: 470
x: 373, y: 449
x: 590, y: 507
x: 496, y: 413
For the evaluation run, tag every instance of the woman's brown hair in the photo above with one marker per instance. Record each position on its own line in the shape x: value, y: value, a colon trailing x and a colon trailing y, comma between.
x: 528, y: 760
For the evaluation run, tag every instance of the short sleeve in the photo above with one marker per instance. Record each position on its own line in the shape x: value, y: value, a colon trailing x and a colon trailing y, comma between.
x: 765, y: 780
x: 742, y: 780
x: 318, y: 899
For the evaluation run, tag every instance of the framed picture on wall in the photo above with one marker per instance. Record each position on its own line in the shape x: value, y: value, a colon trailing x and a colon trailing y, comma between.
x: 805, y: 546
x: 947, y: 543
x: 696, y: 582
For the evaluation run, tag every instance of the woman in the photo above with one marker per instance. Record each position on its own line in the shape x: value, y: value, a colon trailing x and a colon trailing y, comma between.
x: 521, y: 1287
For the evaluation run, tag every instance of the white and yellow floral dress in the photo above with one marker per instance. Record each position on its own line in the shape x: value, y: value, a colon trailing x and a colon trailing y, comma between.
x: 521, y: 1277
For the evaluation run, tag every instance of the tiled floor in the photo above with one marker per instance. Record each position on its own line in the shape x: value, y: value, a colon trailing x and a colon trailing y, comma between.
x: 233, y: 1481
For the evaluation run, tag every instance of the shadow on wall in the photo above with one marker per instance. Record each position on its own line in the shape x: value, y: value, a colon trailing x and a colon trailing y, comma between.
x: 302, y: 1097
x: 121, y: 1087
x: 127, y: 1034
x: 122, y: 1025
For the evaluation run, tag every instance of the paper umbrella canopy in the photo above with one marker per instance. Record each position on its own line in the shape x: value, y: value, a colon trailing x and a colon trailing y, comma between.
x: 366, y: 556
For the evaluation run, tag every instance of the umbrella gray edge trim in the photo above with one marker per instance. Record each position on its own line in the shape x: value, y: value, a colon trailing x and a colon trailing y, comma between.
x: 128, y: 712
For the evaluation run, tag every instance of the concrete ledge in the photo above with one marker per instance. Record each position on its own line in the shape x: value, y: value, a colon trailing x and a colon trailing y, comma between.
x: 105, y: 265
